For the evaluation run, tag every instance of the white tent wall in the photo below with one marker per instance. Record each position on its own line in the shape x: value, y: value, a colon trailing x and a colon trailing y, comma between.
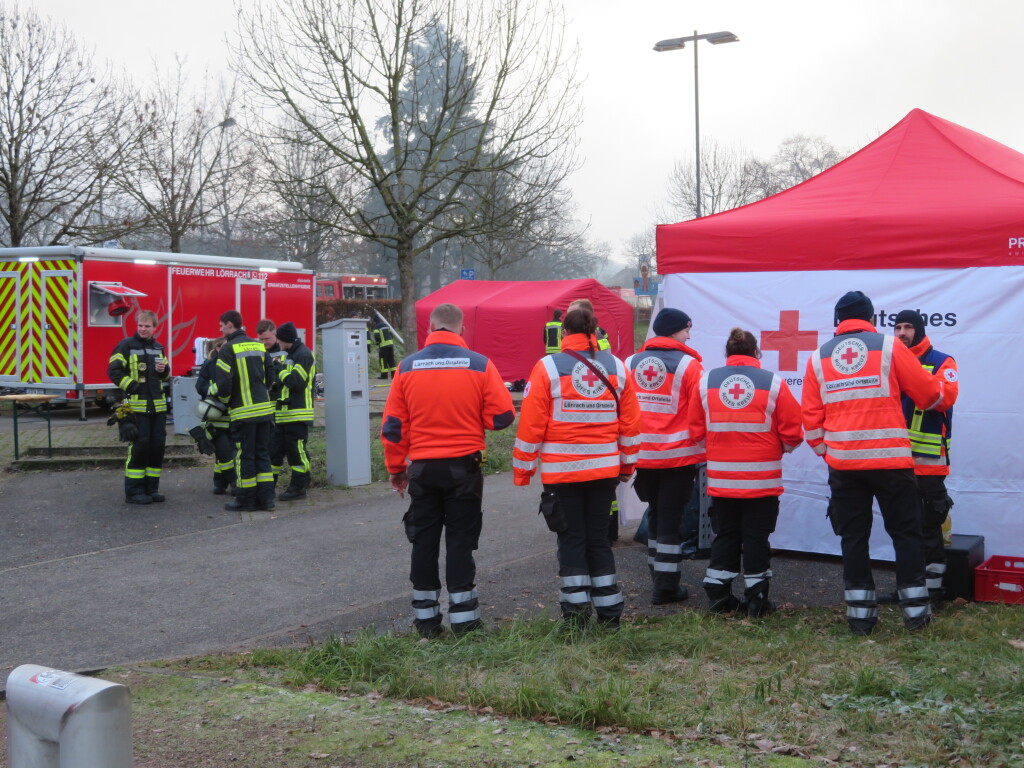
x: 974, y: 314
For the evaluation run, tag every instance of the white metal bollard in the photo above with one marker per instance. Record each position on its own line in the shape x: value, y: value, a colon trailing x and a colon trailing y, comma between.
x: 62, y: 720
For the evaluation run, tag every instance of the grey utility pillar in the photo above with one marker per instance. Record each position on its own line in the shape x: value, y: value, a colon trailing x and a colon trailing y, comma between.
x: 347, y: 401
x: 58, y: 719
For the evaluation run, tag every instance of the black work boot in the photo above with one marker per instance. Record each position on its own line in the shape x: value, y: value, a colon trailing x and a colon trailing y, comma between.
x: 666, y: 596
x: 296, y: 488
x: 152, y: 491
x: 756, y: 599
x: 720, y: 598
x: 135, y: 492
x: 242, y: 503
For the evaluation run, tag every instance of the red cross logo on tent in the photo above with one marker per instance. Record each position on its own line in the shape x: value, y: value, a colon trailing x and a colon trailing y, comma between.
x: 789, y: 340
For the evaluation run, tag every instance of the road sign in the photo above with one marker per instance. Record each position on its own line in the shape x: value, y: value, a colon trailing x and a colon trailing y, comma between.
x: 468, y: 274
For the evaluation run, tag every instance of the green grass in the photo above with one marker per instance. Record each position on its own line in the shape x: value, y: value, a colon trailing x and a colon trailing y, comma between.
x: 797, y: 683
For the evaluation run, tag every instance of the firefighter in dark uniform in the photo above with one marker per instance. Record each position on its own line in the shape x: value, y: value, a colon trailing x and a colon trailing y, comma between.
x: 266, y: 333
x: 138, y: 366
x: 443, y: 398
x: 385, y: 341
x: 553, y: 334
x: 241, y: 380
x: 295, y: 408
x: 218, y: 427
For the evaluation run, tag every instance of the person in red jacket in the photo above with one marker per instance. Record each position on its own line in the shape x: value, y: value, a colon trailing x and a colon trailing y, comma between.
x: 580, y: 422
x: 747, y: 418
x: 665, y: 373
x: 853, y: 418
x: 442, y: 399
x: 931, y: 433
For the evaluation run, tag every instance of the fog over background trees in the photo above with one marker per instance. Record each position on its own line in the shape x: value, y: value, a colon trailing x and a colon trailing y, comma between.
x: 409, y: 138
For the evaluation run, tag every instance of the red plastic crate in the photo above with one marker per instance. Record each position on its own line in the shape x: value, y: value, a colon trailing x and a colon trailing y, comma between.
x: 1000, y: 579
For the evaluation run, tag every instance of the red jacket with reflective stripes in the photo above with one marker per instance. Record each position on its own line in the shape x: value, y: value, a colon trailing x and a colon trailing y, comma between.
x: 748, y: 418
x: 568, y: 420
x: 442, y: 399
x: 851, y: 399
x: 665, y: 373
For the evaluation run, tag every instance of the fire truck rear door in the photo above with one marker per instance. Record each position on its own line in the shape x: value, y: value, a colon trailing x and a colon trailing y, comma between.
x: 10, y: 325
x: 58, y: 327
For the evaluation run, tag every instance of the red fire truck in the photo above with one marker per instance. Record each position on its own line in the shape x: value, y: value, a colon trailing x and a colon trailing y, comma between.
x: 63, y: 308
x: 330, y: 285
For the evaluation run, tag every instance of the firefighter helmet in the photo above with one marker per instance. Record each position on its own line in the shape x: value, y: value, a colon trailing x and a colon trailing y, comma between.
x: 208, y: 409
x: 118, y: 307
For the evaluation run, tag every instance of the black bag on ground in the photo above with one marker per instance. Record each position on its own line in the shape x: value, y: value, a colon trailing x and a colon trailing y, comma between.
x: 552, y: 511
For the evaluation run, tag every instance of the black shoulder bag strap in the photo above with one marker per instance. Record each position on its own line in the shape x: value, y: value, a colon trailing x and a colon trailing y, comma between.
x: 597, y: 372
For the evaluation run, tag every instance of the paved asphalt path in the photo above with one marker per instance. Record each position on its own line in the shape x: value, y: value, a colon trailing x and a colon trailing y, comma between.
x: 87, y: 581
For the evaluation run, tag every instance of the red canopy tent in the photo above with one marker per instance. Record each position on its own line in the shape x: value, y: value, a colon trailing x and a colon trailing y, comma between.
x: 505, y: 319
x: 927, y: 193
x: 929, y: 217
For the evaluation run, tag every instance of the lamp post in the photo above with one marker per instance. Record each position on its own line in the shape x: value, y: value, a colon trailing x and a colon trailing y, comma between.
x: 227, y: 122
x: 676, y: 43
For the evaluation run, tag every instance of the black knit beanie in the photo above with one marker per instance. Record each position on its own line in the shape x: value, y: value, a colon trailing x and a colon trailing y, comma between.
x: 854, y: 306
x: 914, y: 318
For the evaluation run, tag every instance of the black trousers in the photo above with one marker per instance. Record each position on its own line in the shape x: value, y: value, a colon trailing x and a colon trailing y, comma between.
x: 276, y: 449
x: 586, y: 564
x: 386, y: 359
x: 224, y: 455
x: 446, y: 496
x: 252, y: 458
x: 742, y: 528
x: 146, y: 454
x: 935, y: 505
x: 293, y: 436
x: 850, y: 512
x: 667, y: 491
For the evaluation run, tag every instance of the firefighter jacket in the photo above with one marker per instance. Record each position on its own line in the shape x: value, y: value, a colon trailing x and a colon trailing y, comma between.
x: 665, y: 372
x: 931, y: 432
x: 295, y: 402
x: 569, y: 421
x: 382, y: 336
x: 277, y: 358
x: 442, y: 399
x: 747, y: 418
x: 851, y: 400
x: 203, y: 381
x: 552, y: 337
x: 132, y: 368
x: 242, y: 377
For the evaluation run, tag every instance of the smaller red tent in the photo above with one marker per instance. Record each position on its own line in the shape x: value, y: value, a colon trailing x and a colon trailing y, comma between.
x: 504, y: 320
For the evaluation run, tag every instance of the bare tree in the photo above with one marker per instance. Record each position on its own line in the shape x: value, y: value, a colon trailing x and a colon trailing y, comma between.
x: 797, y: 159
x: 420, y: 100
x: 179, y: 156
x: 731, y: 178
x: 524, y: 229
x: 303, y: 180
x: 725, y: 182
x: 58, y: 146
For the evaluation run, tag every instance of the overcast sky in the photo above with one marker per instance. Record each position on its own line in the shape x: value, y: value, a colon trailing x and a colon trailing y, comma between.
x: 846, y: 71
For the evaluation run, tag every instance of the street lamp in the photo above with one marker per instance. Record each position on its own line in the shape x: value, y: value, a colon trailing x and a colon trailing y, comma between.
x: 676, y: 43
x: 227, y: 122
